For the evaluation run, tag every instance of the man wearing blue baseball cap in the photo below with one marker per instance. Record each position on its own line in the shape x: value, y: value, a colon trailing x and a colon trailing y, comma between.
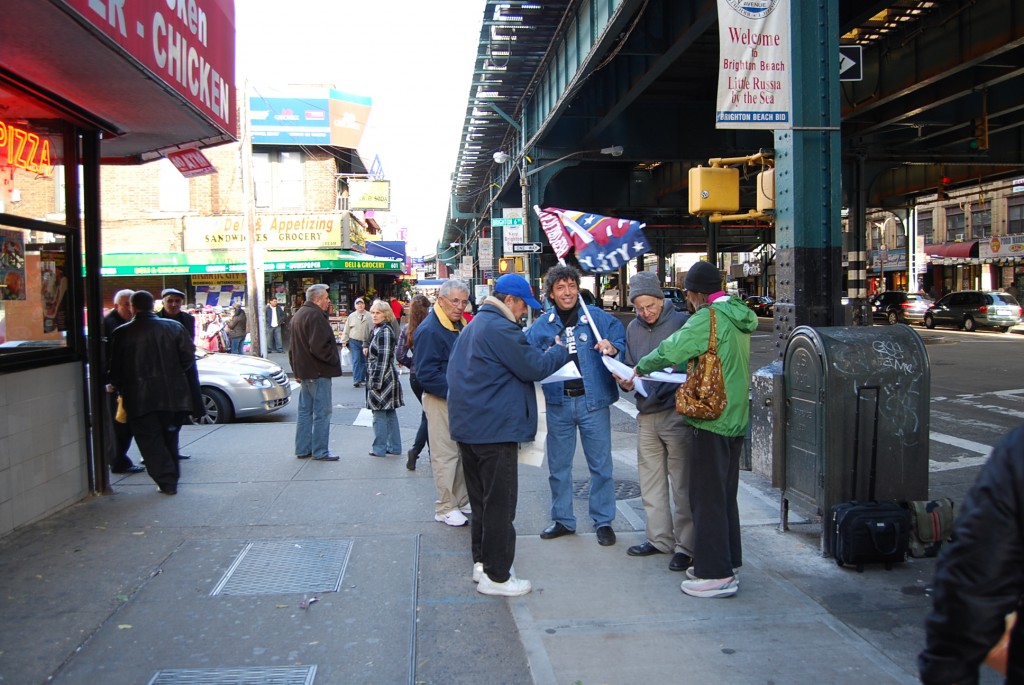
x: 503, y: 369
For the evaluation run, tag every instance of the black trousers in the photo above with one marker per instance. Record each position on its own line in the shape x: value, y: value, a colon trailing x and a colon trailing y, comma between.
x: 492, y: 479
x: 714, y: 482
x: 421, y: 433
x: 117, y: 449
x: 156, y: 434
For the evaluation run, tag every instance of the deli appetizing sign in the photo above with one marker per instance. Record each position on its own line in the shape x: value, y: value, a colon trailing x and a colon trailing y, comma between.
x: 273, y: 232
x: 187, y: 44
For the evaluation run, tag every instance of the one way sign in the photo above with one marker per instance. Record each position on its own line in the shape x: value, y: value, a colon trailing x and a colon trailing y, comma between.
x: 529, y: 248
x: 851, y: 63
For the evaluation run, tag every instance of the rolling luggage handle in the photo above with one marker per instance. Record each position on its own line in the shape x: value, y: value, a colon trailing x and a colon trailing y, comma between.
x: 874, y: 443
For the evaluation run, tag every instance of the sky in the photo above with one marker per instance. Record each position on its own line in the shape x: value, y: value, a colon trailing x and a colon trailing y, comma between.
x: 414, y: 59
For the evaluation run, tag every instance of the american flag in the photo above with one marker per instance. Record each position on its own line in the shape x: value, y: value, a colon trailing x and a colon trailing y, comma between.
x: 603, y: 243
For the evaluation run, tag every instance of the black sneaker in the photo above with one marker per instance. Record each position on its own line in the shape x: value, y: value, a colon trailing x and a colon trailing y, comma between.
x: 680, y: 562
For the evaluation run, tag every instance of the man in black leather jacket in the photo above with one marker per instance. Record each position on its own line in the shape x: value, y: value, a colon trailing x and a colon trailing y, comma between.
x: 979, y: 576
x: 152, y: 364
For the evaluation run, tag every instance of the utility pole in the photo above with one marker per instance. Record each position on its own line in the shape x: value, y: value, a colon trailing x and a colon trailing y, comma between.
x: 254, y: 257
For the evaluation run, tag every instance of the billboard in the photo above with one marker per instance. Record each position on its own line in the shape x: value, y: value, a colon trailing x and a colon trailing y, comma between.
x: 338, y: 119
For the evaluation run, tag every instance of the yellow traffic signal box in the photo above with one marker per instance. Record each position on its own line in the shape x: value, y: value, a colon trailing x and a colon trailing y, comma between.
x: 510, y: 265
x: 714, y: 189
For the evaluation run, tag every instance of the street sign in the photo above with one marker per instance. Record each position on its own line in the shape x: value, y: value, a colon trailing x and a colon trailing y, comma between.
x: 851, y: 63
x: 514, y: 221
x: 529, y: 248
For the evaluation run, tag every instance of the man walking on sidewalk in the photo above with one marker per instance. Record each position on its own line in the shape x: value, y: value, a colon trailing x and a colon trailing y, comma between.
x: 313, y: 355
x: 484, y: 419
x: 356, y: 335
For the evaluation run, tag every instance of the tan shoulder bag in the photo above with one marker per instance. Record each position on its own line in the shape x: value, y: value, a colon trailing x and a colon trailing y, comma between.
x: 702, y: 396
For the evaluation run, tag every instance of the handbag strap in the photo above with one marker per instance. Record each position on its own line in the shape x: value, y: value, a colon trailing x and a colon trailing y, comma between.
x: 713, y: 336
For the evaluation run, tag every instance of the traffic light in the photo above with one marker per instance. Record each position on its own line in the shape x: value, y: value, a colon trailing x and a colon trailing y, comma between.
x: 510, y: 265
x: 941, y: 192
x: 980, y: 141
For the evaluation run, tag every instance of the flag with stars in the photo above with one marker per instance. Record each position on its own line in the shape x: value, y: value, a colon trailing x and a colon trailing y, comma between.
x: 603, y: 243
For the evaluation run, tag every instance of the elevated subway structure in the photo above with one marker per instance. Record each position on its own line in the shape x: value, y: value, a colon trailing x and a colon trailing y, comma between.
x: 555, y: 82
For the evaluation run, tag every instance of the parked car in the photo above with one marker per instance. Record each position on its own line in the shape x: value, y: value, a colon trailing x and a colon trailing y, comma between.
x: 677, y: 296
x: 761, y: 304
x: 896, y: 306
x: 237, y: 386
x: 610, y: 298
x: 968, y: 309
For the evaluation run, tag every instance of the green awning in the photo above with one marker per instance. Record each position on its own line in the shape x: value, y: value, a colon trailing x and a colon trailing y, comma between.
x: 181, y: 263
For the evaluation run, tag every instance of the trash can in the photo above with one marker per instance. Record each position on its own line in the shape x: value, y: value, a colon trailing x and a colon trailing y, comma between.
x: 833, y: 378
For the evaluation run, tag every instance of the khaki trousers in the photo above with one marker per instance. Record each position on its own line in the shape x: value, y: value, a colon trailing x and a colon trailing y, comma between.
x: 444, y: 457
x: 663, y: 463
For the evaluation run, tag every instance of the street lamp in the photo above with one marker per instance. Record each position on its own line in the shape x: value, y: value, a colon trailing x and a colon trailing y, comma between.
x: 613, y: 150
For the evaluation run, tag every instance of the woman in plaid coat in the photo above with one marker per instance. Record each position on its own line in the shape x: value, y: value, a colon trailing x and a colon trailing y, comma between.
x: 383, y: 389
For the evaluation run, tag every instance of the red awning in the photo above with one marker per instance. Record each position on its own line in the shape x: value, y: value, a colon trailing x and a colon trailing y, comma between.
x: 955, y: 250
x: 150, y: 78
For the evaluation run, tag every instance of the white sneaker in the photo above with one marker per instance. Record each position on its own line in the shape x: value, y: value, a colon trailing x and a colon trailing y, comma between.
x: 466, y: 509
x: 712, y: 587
x: 693, y: 576
x: 453, y: 518
x: 513, y: 587
x: 478, y: 571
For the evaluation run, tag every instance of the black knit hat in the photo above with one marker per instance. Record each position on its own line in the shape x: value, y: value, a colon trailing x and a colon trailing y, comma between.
x: 703, y: 277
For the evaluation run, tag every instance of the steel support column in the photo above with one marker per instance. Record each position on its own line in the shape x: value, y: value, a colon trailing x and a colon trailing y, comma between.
x: 807, y: 176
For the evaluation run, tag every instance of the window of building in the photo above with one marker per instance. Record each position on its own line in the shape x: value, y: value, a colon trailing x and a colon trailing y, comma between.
x: 925, y: 227
x: 1015, y: 216
x: 956, y: 224
x: 35, y: 290
x: 981, y: 222
x: 174, y: 195
x: 279, y: 179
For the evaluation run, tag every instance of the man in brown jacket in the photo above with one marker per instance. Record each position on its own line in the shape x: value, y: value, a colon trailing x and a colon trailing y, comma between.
x: 313, y: 355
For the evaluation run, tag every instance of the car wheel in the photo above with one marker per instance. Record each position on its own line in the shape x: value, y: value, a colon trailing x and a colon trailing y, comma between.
x: 969, y: 324
x: 893, y: 318
x: 1004, y: 329
x: 929, y: 321
x: 218, y: 407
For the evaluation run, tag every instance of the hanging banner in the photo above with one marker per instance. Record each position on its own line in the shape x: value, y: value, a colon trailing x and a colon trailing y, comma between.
x: 754, y: 78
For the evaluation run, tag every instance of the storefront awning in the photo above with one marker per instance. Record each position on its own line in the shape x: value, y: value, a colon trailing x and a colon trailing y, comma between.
x: 151, y: 78
x: 184, y: 264
x: 955, y: 250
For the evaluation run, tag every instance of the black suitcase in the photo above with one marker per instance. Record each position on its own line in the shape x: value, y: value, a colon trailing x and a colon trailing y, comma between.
x: 868, y: 532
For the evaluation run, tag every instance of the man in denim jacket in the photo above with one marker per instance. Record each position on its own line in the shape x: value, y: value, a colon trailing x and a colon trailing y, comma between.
x: 580, y: 404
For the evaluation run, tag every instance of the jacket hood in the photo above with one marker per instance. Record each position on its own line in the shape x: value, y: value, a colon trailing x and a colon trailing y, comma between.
x: 734, y: 311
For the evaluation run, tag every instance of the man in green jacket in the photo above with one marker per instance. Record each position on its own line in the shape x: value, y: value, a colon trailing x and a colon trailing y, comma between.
x: 716, y: 443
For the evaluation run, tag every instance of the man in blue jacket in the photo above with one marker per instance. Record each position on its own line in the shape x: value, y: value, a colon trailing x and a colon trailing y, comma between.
x: 580, y: 404
x: 491, y: 411
x: 433, y: 342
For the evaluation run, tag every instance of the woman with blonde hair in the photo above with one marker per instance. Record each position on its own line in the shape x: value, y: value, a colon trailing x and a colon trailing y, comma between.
x: 383, y: 389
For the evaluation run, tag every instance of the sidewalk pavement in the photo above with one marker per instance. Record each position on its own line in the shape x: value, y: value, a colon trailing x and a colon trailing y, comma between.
x: 268, y: 569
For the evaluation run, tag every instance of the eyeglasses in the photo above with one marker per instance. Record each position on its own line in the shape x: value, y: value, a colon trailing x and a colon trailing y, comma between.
x: 649, y: 308
x: 457, y: 303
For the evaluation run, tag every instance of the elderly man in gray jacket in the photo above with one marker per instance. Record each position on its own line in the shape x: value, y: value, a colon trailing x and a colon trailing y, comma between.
x: 662, y: 452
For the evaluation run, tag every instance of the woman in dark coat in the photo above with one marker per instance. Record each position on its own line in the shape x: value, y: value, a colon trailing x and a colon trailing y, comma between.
x: 418, y: 310
x: 383, y: 389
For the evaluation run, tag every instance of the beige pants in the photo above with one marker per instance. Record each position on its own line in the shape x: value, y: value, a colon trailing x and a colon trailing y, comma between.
x: 663, y: 463
x: 444, y: 457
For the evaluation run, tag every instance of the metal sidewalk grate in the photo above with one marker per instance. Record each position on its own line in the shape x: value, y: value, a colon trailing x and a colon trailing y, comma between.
x: 286, y: 675
x: 624, y: 489
x: 267, y: 567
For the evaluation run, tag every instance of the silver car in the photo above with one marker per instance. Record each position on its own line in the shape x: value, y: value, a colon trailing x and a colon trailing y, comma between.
x: 968, y: 309
x: 236, y: 386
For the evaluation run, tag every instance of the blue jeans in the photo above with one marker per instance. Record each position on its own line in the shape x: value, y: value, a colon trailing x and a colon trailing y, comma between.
x: 313, y: 426
x: 596, y: 435
x: 355, y: 347
x: 236, y: 344
x: 387, y: 438
x: 275, y: 344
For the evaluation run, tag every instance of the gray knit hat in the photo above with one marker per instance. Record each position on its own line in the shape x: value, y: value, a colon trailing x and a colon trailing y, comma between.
x: 703, y: 277
x: 645, y: 283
